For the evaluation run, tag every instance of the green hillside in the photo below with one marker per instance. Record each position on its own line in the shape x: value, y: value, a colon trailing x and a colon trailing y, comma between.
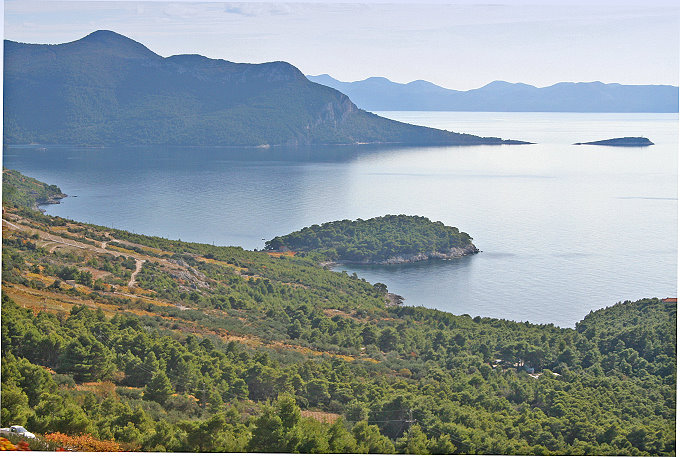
x: 144, y: 343
x: 21, y: 190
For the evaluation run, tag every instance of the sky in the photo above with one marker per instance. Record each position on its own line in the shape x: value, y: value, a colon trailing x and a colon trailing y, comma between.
x: 457, y: 44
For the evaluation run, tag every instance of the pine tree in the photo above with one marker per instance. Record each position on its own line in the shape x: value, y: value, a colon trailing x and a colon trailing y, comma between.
x: 159, y: 389
x: 269, y: 433
x: 414, y: 442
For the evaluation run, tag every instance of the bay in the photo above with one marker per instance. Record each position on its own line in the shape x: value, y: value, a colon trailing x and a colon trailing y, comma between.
x: 563, y: 229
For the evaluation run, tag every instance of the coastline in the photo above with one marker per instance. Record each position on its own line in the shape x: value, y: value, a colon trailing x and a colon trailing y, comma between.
x: 490, y: 141
x: 51, y: 200
x: 453, y: 253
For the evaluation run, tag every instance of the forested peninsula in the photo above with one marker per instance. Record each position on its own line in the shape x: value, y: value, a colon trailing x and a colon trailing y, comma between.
x: 119, y: 341
x: 21, y: 190
x: 388, y: 239
x: 106, y: 89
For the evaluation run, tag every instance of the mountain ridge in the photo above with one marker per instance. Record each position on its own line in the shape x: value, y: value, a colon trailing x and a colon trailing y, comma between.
x: 381, y: 94
x: 107, y: 89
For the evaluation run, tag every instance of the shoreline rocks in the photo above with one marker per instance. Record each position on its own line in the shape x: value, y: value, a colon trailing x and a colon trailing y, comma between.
x: 51, y: 200
x: 453, y: 253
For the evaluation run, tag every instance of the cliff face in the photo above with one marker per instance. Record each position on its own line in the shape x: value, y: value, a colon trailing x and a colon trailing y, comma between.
x: 106, y: 89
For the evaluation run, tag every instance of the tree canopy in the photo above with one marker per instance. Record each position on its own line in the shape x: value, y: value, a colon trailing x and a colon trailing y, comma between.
x: 391, y: 238
x: 212, y: 348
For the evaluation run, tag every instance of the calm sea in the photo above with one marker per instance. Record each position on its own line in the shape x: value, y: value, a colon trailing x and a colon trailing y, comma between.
x: 564, y: 229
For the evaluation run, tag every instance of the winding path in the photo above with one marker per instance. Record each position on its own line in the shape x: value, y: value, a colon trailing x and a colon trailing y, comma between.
x: 138, y: 268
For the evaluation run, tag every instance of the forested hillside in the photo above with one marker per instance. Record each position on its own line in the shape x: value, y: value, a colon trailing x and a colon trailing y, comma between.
x: 21, y: 190
x: 145, y: 343
x: 106, y: 89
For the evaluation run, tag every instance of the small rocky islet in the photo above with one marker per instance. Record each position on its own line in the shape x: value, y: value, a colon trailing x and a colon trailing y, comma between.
x: 628, y: 141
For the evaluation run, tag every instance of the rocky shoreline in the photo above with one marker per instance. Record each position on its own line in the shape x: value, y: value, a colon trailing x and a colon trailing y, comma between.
x: 453, y: 253
x: 51, y: 200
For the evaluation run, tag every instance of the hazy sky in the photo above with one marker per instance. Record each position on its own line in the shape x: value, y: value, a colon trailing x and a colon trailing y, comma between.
x: 458, y: 44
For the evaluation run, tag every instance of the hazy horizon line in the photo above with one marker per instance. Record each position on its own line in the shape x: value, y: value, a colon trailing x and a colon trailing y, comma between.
x: 490, y: 82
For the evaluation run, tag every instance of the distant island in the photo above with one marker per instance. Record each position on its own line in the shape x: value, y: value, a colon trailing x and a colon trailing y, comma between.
x: 106, y: 89
x: 381, y: 94
x: 388, y: 239
x: 628, y: 141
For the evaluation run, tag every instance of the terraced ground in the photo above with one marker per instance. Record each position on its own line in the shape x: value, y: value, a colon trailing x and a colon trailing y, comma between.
x: 59, y: 245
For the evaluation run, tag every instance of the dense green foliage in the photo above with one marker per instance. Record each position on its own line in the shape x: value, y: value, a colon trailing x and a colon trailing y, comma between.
x: 403, y: 379
x: 108, y: 89
x: 20, y: 190
x: 182, y: 393
x: 222, y: 349
x: 375, y: 240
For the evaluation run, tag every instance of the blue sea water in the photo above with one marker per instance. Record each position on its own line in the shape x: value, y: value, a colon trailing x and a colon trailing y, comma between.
x: 563, y: 229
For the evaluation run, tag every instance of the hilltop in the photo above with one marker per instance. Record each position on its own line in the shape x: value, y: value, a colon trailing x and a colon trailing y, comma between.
x: 381, y: 94
x: 106, y: 89
x: 119, y: 341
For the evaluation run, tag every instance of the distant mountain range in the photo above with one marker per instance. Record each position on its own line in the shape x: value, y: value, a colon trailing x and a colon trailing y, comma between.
x: 381, y: 94
x: 107, y: 89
